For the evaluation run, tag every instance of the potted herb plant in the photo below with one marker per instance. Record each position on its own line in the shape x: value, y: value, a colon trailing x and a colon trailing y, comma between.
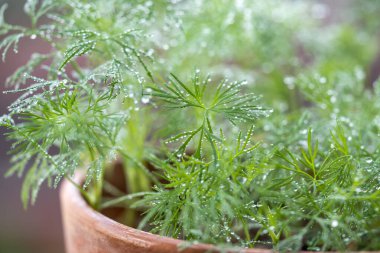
x: 140, y: 134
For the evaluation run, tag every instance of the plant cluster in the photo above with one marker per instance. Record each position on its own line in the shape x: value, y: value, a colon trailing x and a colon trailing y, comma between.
x: 205, y: 159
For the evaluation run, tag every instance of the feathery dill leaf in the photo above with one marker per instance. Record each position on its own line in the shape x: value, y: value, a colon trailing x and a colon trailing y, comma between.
x: 59, y: 125
x: 201, y: 200
x: 210, y: 107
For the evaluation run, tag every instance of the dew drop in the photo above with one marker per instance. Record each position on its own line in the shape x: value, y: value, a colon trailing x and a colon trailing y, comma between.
x: 290, y: 82
x: 145, y: 99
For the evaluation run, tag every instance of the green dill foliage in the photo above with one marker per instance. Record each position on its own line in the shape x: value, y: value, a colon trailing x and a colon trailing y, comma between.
x: 203, y: 201
x: 210, y: 106
x: 203, y: 159
x: 71, y: 118
x: 66, y: 116
x: 326, y: 189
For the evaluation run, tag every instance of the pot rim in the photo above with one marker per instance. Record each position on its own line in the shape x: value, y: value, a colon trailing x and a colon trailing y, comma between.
x: 103, y: 224
x: 70, y: 195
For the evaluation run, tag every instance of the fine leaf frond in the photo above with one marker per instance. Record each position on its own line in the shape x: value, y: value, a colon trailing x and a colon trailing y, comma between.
x: 199, y: 97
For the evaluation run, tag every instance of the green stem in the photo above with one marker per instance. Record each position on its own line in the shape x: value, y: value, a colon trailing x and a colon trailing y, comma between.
x: 85, y: 194
x: 76, y: 67
x: 98, y: 187
x: 122, y: 199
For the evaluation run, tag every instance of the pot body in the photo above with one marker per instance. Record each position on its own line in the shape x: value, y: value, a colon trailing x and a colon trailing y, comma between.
x: 88, y: 231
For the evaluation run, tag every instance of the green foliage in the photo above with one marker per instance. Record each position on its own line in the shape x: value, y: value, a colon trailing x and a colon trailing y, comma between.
x: 71, y: 119
x: 178, y: 208
x: 226, y: 100
x: 305, y: 178
x: 63, y: 115
x: 324, y: 188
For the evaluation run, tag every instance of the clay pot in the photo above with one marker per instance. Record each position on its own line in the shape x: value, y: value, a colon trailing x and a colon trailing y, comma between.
x: 88, y: 231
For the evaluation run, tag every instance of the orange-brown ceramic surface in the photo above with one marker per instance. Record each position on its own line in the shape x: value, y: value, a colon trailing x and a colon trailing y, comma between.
x: 88, y: 231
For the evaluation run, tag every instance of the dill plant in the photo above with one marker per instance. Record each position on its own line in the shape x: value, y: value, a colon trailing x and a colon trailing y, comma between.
x: 205, y: 158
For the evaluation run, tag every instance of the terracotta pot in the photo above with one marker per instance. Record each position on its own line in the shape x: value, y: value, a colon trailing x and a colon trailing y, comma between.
x: 88, y: 231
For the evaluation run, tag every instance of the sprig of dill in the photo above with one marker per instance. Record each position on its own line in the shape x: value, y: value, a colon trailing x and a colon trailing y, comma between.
x: 207, y: 103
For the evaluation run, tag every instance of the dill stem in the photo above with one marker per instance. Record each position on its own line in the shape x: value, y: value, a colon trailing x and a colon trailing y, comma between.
x: 77, y: 68
x: 246, y: 232
x: 98, y: 187
x: 85, y: 194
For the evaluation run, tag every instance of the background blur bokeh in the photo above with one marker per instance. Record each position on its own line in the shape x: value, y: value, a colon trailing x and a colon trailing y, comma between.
x: 38, y: 229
